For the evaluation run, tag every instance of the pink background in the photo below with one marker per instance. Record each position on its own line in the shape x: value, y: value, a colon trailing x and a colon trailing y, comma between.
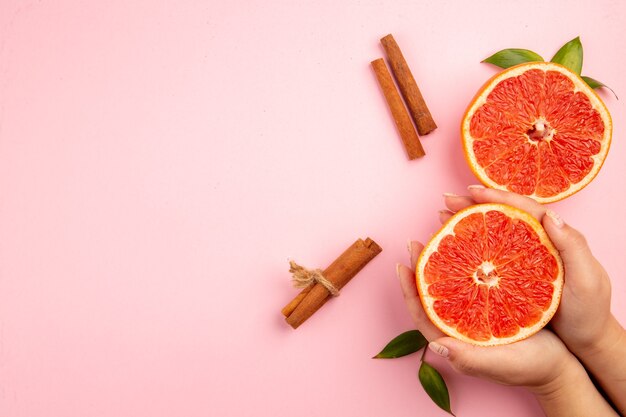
x: 160, y: 163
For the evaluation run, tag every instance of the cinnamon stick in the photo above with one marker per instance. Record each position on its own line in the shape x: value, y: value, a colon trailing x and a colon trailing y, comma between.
x: 405, y: 127
x: 339, y: 273
x: 410, y: 91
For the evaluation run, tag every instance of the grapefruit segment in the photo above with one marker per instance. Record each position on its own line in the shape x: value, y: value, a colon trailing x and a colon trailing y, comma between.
x: 474, y: 322
x: 501, y: 321
x: 552, y: 180
x: 490, y: 276
x: 449, y: 286
x: 499, y: 227
x: 439, y: 268
x: 525, y: 180
x: 504, y: 169
x: 574, y: 157
x: 493, y: 148
x: 522, y: 130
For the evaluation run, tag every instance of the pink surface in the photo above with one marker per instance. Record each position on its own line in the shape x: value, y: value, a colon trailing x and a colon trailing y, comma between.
x: 161, y: 161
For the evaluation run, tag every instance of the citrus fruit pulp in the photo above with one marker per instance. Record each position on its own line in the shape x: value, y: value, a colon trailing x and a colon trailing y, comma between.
x: 490, y: 276
x: 536, y: 129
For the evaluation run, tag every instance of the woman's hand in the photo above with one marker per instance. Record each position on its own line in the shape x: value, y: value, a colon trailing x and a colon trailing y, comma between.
x: 541, y: 363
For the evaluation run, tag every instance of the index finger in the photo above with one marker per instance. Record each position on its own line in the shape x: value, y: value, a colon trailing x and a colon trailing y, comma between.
x: 481, y: 194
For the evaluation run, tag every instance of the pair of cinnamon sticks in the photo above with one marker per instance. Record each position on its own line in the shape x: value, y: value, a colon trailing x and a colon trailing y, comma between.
x: 339, y: 273
x: 412, y: 97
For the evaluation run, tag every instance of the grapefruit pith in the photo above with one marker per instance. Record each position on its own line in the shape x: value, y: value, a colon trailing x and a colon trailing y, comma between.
x: 490, y: 276
x: 536, y: 129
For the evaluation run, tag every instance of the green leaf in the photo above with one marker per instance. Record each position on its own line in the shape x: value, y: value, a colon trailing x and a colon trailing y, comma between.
x: 597, y: 84
x: 508, y: 57
x: 435, y: 386
x: 405, y: 344
x: 570, y: 55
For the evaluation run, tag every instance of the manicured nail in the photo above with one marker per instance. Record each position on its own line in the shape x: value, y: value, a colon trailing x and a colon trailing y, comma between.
x: 556, y: 219
x: 450, y: 195
x: 398, y: 270
x: 476, y: 187
x: 440, y: 350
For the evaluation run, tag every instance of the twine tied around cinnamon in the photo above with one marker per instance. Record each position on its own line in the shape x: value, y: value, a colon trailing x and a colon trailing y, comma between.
x: 303, y: 277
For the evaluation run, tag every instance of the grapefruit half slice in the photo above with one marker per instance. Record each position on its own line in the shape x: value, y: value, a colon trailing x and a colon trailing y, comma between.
x: 536, y: 129
x: 490, y: 276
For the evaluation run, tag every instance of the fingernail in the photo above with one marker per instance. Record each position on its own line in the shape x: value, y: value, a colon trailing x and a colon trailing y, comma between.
x: 450, y: 195
x: 398, y: 270
x: 476, y: 187
x: 556, y: 219
x: 440, y: 350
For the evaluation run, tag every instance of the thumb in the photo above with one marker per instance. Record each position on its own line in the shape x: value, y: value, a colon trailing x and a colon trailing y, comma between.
x: 469, y: 359
x: 570, y: 243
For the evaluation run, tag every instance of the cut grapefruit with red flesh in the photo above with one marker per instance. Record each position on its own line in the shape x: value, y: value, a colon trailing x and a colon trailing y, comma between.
x: 536, y: 129
x: 490, y: 276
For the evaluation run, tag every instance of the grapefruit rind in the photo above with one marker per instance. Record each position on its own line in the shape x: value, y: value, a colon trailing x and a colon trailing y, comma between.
x: 448, y: 229
x: 579, y: 85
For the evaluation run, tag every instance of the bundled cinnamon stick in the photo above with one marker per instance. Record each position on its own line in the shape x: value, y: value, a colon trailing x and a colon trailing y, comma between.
x: 332, y: 279
x: 411, y: 93
x: 405, y: 127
